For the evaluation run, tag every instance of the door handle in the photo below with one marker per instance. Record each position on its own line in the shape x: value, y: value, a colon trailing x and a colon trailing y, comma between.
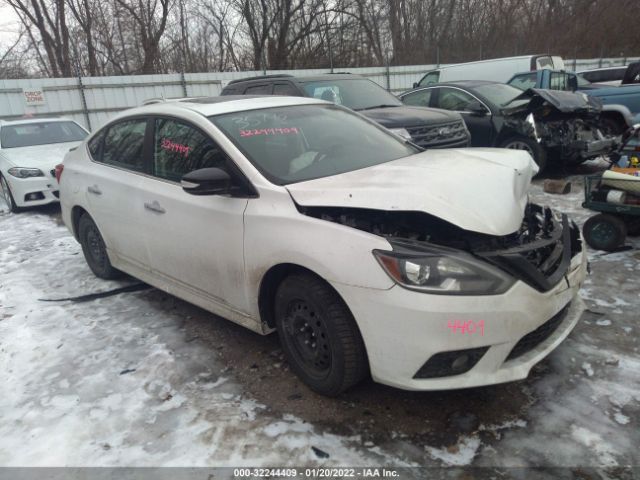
x: 154, y: 207
x: 95, y: 190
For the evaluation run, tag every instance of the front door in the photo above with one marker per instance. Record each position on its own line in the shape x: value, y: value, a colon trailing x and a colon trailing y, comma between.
x: 194, y: 241
x: 480, y: 126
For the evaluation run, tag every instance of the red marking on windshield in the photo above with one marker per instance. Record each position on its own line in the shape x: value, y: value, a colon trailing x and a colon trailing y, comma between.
x: 269, y: 131
x: 175, y: 147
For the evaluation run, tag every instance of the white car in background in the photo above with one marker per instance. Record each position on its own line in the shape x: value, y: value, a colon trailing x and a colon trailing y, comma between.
x: 427, y: 269
x: 29, y: 151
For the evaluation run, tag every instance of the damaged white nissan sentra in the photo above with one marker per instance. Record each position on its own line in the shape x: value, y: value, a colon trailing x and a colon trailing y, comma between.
x: 428, y: 270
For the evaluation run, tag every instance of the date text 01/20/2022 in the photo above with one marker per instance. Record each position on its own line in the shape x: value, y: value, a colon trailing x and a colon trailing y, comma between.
x: 315, y: 472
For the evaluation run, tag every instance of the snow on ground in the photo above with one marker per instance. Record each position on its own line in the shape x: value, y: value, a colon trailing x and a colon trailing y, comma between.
x: 114, y: 382
x: 117, y: 382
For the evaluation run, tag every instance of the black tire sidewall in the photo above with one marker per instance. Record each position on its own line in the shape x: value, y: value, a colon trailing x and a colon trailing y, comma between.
x: 100, y: 269
x: 620, y: 232
x: 539, y: 153
x: 13, y: 208
x: 298, y: 287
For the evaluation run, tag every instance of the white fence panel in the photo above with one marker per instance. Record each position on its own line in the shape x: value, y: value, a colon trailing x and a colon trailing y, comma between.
x: 91, y: 101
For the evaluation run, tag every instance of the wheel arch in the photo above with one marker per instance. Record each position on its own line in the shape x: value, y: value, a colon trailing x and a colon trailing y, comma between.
x: 76, y: 213
x: 269, y: 284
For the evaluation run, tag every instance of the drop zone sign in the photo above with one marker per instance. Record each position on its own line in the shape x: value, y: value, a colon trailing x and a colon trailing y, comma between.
x: 33, y: 97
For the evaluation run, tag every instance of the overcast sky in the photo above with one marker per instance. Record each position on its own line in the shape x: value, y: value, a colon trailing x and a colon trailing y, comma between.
x: 8, y: 25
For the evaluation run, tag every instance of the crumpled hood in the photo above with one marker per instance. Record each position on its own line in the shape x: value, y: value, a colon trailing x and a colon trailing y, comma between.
x: 405, y: 116
x: 565, y: 102
x: 44, y: 157
x: 478, y: 189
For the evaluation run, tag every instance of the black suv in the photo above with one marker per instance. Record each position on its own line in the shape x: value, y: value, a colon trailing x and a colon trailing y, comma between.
x: 426, y: 127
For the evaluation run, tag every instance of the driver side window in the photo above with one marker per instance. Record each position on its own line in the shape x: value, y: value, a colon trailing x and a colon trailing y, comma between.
x: 453, y: 99
x: 420, y: 98
x: 180, y: 148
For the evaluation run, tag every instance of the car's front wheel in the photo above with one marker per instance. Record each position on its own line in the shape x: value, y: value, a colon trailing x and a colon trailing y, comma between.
x: 319, y: 335
x: 7, y: 196
x: 529, y: 145
x: 94, y: 249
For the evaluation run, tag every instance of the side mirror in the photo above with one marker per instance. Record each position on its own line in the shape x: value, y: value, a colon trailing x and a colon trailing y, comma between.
x: 206, y: 181
x: 476, y: 108
x: 415, y: 84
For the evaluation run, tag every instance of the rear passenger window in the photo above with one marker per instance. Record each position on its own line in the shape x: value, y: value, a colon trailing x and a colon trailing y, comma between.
x: 180, y: 148
x: 284, y: 89
x: 259, y: 90
x: 123, y: 145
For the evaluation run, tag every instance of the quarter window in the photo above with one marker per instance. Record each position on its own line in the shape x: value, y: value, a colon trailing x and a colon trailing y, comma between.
x: 180, y: 148
x: 258, y: 90
x: 284, y: 89
x: 124, y: 145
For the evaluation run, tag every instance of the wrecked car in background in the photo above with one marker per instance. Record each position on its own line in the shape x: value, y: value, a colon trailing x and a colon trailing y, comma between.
x: 546, y: 124
x: 426, y: 269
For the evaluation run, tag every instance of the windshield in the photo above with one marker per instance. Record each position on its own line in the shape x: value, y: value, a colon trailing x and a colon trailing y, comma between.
x: 499, y: 93
x: 40, y: 133
x: 356, y: 94
x: 303, y: 142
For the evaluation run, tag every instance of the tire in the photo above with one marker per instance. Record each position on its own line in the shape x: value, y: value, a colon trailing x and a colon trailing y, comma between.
x: 5, y: 193
x: 94, y: 249
x: 319, y: 336
x: 604, y: 232
x: 529, y: 145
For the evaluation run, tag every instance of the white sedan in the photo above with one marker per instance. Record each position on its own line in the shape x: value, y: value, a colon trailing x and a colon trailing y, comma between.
x: 29, y: 151
x: 425, y: 269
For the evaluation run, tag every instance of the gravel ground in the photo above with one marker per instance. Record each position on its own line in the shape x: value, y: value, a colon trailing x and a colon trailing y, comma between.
x: 144, y: 379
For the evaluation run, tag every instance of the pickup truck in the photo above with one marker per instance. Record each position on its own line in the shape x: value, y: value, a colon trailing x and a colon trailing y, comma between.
x: 620, y: 105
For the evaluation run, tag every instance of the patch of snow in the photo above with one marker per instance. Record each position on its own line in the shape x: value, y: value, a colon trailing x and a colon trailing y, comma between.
x: 586, y: 367
x: 457, y: 455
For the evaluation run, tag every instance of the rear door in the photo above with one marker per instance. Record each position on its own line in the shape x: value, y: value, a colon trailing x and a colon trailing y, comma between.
x: 112, y: 188
x: 194, y: 241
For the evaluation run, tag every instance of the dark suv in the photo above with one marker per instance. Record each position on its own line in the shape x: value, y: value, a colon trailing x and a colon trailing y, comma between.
x: 426, y: 127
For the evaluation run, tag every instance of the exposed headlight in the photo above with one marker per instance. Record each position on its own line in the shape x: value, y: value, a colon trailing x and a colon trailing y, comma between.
x: 444, y: 272
x: 402, y: 132
x: 20, y: 172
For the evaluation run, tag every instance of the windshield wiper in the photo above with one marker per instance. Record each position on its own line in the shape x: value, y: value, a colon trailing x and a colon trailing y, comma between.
x: 384, y: 105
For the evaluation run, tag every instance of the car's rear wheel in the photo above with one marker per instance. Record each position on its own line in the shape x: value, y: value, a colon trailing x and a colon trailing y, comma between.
x: 530, y: 146
x: 319, y: 335
x: 604, y: 232
x: 7, y: 196
x: 94, y: 249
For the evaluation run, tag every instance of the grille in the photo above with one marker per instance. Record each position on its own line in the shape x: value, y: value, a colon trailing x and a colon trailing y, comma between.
x: 539, y: 335
x: 545, y: 249
x: 439, y: 135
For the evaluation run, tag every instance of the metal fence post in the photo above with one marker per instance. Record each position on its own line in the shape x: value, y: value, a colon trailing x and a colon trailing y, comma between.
x: 388, y: 73
x: 183, y: 82
x: 83, y: 98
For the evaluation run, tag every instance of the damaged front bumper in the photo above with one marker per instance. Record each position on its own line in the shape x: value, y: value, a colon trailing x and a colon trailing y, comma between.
x: 409, y: 336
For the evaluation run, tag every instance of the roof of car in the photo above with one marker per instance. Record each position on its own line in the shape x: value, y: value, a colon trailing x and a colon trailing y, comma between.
x: 467, y: 83
x: 311, y: 78
x: 209, y: 106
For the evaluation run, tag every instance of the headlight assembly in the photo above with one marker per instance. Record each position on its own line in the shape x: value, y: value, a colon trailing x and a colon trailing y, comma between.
x: 20, y: 172
x: 444, y: 272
